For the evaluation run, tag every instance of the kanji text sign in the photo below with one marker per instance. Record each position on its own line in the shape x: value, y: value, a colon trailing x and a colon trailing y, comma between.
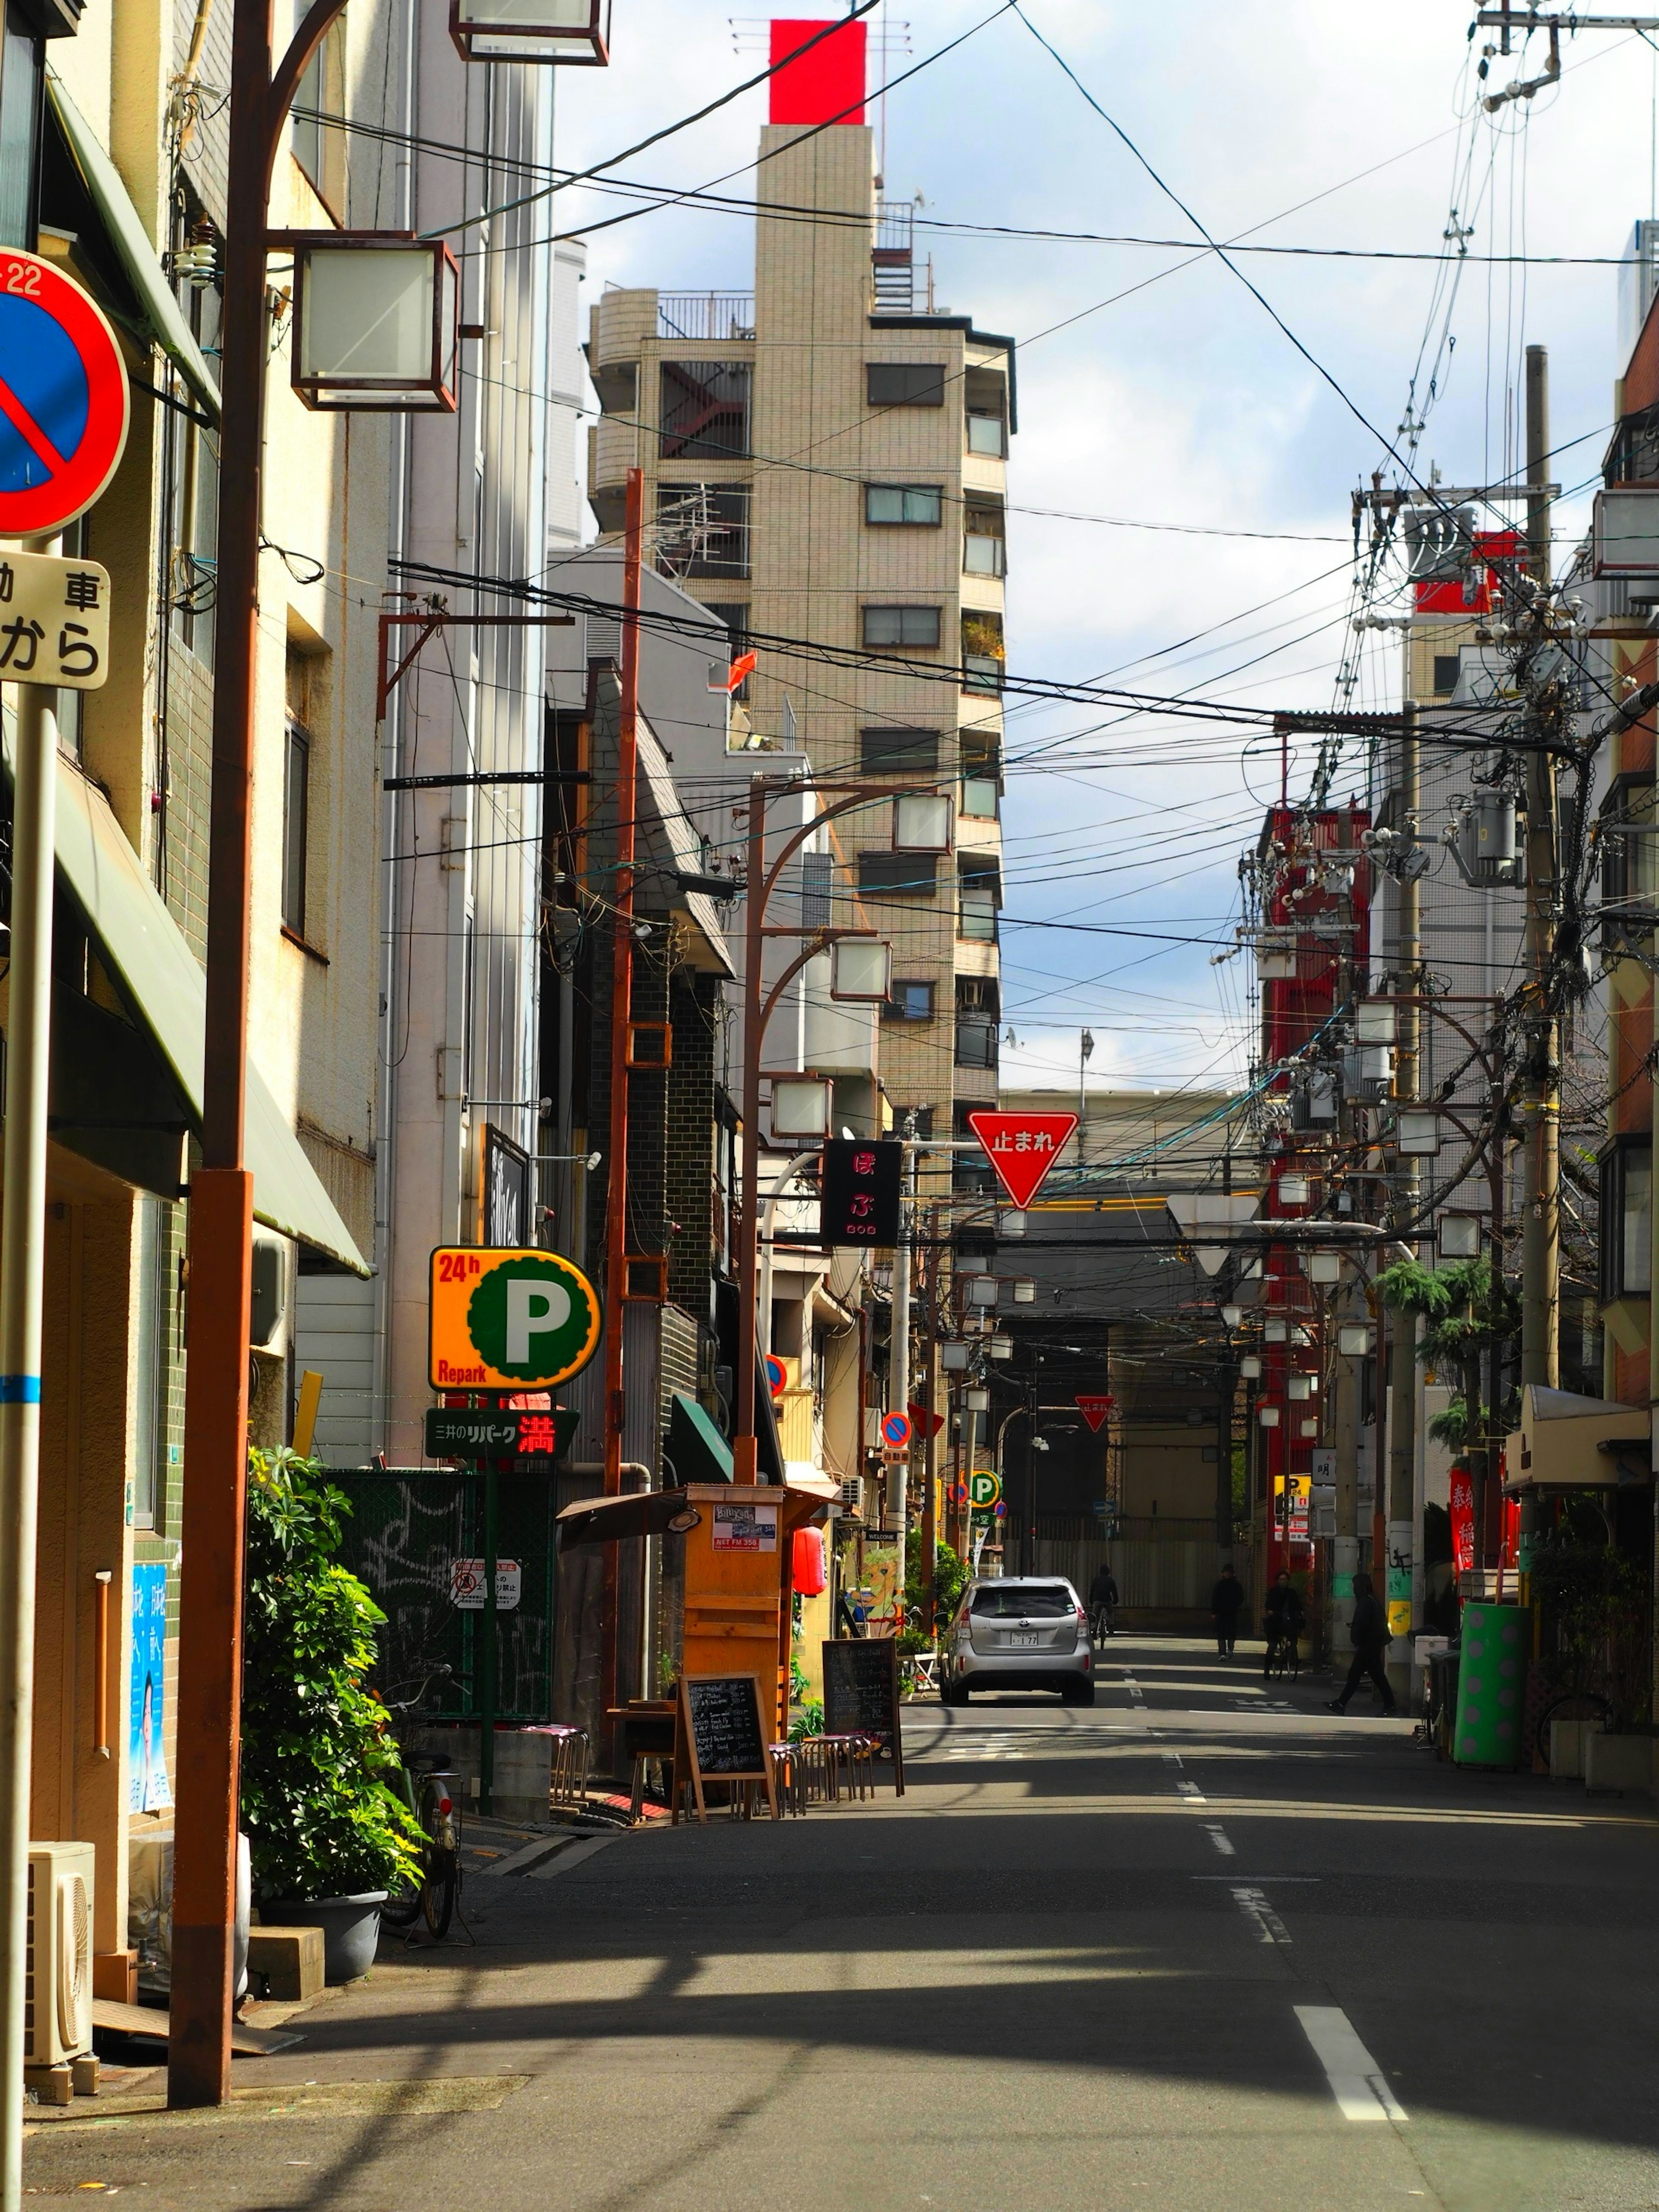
x: 54, y: 622
x: 501, y: 1320
x: 64, y: 397
x: 1022, y: 1148
x: 459, y: 1435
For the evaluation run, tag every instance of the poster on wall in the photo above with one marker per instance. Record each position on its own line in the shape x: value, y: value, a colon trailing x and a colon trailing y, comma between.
x: 148, y: 1789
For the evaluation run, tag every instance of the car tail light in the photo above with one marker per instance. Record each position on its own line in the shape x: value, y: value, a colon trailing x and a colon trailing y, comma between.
x: 1082, y: 1618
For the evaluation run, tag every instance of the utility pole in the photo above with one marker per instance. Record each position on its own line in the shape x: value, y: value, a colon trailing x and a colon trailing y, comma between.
x: 622, y: 998
x: 1540, y: 1235
x: 930, y: 1455
x: 22, y: 1236
x: 899, y: 1364
x: 1401, y: 1538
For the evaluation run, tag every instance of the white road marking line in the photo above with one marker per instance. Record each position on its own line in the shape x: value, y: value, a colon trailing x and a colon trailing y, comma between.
x: 1218, y: 1837
x: 1172, y: 1758
x: 1357, y: 2083
x: 1260, y: 1878
x: 566, y: 1860
x: 1192, y: 1793
x: 1269, y: 1928
x: 532, y: 1854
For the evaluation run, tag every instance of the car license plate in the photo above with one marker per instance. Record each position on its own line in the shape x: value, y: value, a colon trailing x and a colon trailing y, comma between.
x: 1021, y: 1642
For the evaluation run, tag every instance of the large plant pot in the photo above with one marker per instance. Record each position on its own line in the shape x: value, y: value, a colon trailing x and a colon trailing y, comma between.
x: 350, y: 1926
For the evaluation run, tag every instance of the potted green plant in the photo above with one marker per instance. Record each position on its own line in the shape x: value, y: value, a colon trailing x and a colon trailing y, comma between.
x: 328, y: 1838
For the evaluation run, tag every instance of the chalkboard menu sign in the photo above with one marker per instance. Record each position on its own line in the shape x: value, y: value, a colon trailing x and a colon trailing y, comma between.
x: 722, y: 1733
x: 861, y: 1693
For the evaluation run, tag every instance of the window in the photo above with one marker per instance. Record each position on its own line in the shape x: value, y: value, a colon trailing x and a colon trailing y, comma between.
x: 319, y: 147
x: 982, y: 652
x: 918, y: 503
x: 883, y: 874
x: 705, y: 410
x: 817, y: 884
x: 984, y: 550
x: 976, y: 1041
x: 1627, y: 830
x: 1445, y: 672
x: 19, y: 111
x: 911, y: 1002
x: 899, y: 752
x: 904, y: 383
x: 985, y: 395
x: 979, y: 896
x: 912, y: 626
x: 1626, y: 1218
x: 1013, y: 1601
x: 702, y: 529
x: 296, y: 799
x: 1633, y: 456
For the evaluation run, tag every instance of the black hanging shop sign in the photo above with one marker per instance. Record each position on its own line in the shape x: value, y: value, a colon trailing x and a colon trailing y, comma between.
x: 862, y: 1177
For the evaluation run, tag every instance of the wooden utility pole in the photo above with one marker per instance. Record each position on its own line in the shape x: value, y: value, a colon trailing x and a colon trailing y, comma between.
x: 1401, y: 1536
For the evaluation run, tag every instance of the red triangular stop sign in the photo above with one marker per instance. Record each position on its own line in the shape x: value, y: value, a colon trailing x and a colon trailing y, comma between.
x: 1022, y: 1148
x: 1094, y: 1406
x: 924, y: 1423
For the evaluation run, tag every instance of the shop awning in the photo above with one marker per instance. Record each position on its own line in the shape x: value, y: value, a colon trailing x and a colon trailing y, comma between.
x: 164, y: 993
x: 1568, y: 1442
x: 138, y: 258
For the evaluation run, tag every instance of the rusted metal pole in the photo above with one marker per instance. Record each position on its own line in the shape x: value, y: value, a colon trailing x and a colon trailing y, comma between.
x: 622, y: 1000
x: 744, y: 1456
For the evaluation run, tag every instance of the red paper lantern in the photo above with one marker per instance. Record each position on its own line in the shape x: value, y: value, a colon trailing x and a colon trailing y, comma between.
x: 807, y: 1569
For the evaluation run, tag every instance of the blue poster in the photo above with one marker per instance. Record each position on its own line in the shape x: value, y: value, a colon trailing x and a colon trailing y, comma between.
x: 148, y: 1789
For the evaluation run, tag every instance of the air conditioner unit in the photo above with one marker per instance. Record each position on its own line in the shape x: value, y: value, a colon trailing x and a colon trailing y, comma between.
x: 852, y: 1494
x: 57, y: 1994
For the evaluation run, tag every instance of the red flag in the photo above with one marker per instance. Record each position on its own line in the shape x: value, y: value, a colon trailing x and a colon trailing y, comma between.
x: 1022, y: 1148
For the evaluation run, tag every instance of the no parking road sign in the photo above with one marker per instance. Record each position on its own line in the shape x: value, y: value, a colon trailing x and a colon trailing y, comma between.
x: 64, y: 397
x: 896, y: 1431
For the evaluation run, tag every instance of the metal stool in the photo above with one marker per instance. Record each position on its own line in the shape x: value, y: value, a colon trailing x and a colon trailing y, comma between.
x: 788, y: 1777
x: 568, y: 1781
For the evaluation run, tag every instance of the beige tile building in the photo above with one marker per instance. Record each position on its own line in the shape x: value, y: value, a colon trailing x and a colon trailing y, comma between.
x: 825, y: 462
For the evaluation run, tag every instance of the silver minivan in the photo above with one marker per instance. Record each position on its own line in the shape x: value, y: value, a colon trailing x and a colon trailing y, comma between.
x: 1018, y: 1632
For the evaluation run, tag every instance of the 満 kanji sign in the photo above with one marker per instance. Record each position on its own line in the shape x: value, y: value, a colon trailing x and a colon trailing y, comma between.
x: 452, y: 1434
x: 505, y: 1320
x: 54, y: 622
x: 1094, y: 1406
x: 63, y: 400
x: 1022, y: 1148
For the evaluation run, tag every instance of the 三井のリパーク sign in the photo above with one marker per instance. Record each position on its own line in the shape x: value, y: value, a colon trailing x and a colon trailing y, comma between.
x: 506, y: 1319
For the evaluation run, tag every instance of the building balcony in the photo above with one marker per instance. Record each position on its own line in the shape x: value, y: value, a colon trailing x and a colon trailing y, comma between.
x: 696, y: 316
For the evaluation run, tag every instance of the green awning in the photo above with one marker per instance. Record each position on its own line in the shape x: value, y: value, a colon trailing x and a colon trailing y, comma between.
x: 164, y: 991
x: 137, y: 257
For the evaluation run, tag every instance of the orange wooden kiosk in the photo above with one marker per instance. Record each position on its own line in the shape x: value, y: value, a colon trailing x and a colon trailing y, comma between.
x: 739, y: 1548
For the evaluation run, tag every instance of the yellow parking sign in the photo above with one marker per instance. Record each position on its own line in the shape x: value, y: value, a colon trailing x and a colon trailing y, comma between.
x: 501, y: 1319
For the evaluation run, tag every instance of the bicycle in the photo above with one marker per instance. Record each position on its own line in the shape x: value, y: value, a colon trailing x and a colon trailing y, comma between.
x: 1103, y: 1621
x: 424, y: 1789
x: 1282, y: 1661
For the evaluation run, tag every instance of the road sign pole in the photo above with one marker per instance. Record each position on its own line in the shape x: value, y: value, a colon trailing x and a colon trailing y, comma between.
x: 22, y: 1240
x: 486, y: 1657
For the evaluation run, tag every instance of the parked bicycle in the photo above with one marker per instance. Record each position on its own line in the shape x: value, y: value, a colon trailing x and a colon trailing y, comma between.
x: 426, y: 1789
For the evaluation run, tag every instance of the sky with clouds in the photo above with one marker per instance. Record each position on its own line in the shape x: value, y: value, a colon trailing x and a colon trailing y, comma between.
x: 1154, y: 390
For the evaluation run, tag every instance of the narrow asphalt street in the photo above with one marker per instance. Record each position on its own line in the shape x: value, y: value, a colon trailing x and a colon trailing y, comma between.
x: 1199, y: 1946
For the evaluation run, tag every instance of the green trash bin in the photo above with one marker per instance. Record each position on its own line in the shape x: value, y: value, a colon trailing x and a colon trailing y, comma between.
x: 1492, y: 1687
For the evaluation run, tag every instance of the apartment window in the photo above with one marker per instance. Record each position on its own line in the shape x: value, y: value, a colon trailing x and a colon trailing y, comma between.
x: 1626, y: 1217
x: 296, y: 807
x: 979, y: 896
x: 984, y: 398
x: 20, y: 113
x: 705, y: 410
x: 911, y: 1002
x: 881, y: 874
x: 319, y: 144
x: 1628, y: 828
x: 702, y: 529
x: 1445, y: 672
x: 899, y: 752
x: 984, y: 548
x: 976, y: 1041
x: 904, y: 383
x: 982, y: 652
x: 981, y: 796
x: 902, y: 626
x: 922, y: 504
x: 1633, y: 456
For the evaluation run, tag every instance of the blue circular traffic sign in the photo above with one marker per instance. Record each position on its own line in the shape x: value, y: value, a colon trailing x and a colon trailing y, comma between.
x: 64, y: 397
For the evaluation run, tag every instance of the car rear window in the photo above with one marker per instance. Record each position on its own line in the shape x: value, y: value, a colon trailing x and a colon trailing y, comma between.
x: 1023, y: 1601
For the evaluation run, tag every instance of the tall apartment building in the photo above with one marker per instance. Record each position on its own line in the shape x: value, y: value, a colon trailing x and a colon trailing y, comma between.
x: 825, y: 462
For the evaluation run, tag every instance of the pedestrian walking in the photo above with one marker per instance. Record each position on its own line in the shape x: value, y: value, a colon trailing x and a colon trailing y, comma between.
x: 1371, y: 1636
x: 1225, y: 1599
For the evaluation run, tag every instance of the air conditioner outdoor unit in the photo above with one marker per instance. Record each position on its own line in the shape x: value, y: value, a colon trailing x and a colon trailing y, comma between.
x: 852, y: 1494
x: 57, y: 1998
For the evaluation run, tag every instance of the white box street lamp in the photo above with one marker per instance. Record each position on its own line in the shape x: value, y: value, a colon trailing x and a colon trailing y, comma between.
x: 803, y: 1106
x: 376, y: 321
x: 861, y: 970
x: 569, y: 31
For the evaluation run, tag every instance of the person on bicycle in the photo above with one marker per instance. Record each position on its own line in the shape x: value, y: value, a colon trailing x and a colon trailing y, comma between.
x: 1284, y: 1617
x: 1102, y: 1602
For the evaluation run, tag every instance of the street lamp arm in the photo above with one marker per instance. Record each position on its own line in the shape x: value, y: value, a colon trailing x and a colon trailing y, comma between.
x: 319, y: 20
x: 820, y: 941
x: 862, y: 796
